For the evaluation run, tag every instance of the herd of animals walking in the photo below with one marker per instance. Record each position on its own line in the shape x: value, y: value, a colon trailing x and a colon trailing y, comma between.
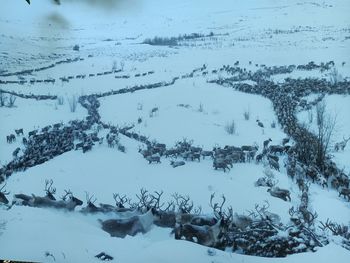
x: 42, y: 145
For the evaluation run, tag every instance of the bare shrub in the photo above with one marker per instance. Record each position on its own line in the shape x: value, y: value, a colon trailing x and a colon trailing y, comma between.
x: 114, y: 65
x: 310, y: 116
x: 60, y: 100
x: 139, y: 106
x: 246, y: 114
x: 325, y: 129
x: 73, y: 102
x: 3, y: 99
x: 230, y: 127
x: 12, y: 100
x: 200, y: 108
x: 335, y: 77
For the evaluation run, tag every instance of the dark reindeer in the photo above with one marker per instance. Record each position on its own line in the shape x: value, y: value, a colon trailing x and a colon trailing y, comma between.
x: 266, y: 143
x: 153, y: 159
x: 15, y: 152
x: 345, y: 192
x: 274, y: 149
x: 220, y: 164
x: 3, y: 194
x: 19, y: 132
x: 10, y: 138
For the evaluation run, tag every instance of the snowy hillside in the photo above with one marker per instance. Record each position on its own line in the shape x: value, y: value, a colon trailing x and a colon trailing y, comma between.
x: 214, y: 106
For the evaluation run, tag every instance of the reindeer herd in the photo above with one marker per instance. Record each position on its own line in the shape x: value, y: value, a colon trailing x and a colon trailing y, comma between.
x: 223, y: 228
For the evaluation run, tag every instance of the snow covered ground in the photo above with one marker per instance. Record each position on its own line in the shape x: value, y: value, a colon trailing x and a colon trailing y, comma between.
x: 110, y: 35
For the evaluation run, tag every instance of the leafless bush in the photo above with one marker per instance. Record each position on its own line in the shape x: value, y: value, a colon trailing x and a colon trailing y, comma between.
x: 139, y: 106
x: 230, y: 127
x: 246, y: 114
x: 200, y: 108
x: 310, y: 115
x: 12, y: 100
x: 325, y: 129
x: 3, y: 99
x: 60, y: 100
x: 114, y: 65
x: 335, y: 77
x: 73, y: 102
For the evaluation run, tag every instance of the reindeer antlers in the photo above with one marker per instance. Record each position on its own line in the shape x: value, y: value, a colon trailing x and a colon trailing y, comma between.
x: 144, y: 198
x: 217, y: 209
x: 67, y: 193
x: 157, y: 199
x: 88, y: 198
x: 120, y: 200
x: 48, y: 187
x: 184, y: 204
x: 4, y: 192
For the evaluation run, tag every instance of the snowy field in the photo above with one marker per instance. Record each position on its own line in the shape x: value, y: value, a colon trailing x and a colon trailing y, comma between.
x: 112, y: 57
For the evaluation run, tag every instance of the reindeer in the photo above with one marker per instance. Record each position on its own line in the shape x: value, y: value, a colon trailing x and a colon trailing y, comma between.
x: 10, y: 138
x: 210, y: 236
x: 90, y: 206
x: 19, y: 132
x: 177, y: 163
x: 345, y: 192
x: 264, y: 214
x: 155, y: 158
x: 341, y: 145
x: 279, y: 193
x: 50, y: 191
x: 273, y: 164
x: 259, y: 157
x: 15, y: 152
x: 274, y: 149
x: 207, y: 153
x: 266, y: 143
x: 130, y: 226
x: 207, y: 235
x: 222, y: 164
x: 38, y: 201
x: 3, y: 194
